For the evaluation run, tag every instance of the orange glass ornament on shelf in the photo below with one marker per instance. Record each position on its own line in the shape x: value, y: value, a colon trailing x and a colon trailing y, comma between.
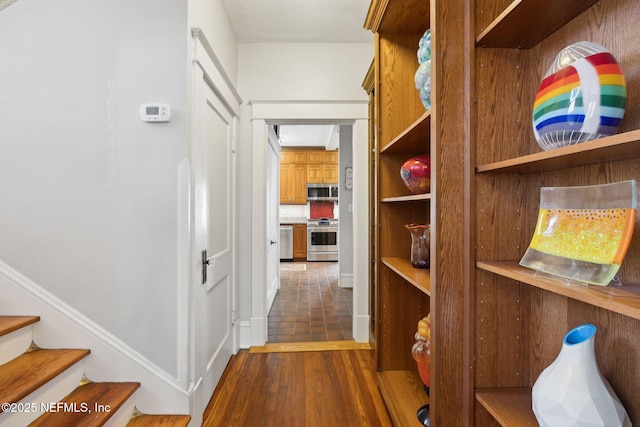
x: 421, y: 350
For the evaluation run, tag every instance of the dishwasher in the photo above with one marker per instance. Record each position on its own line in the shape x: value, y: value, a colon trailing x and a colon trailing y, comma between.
x: 286, y: 243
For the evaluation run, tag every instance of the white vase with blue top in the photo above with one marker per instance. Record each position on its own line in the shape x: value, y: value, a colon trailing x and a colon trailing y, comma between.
x: 572, y: 391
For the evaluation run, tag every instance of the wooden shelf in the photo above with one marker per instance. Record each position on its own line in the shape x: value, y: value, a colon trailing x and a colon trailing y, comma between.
x: 411, y: 198
x: 511, y: 407
x: 525, y: 23
x: 617, y: 147
x: 418, y: 277
x: 413, y: 139
x: 623, y: 299
x: 404, y: 394
x: 622, y: 146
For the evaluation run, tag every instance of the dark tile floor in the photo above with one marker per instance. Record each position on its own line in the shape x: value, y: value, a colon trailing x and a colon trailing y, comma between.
x: 310, y: 306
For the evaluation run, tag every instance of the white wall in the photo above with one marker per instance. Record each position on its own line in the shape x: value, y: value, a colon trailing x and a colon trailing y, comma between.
x: 303, y: 71
x: 288, y: 72
x: 211, y: 17
x: 88, y: 191
x: 346, y: 208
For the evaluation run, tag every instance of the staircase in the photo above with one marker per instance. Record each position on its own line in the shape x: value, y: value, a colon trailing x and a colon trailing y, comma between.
x: 47, y: 387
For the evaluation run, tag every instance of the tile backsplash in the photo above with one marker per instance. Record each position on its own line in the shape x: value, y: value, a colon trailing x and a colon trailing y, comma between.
x: 321, y: 210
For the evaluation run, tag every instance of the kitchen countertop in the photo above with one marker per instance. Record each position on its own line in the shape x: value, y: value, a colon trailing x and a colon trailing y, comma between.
x: 293, y: 220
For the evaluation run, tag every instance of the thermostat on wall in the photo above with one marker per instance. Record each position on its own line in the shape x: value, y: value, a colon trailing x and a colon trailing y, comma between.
x: 155, y: 112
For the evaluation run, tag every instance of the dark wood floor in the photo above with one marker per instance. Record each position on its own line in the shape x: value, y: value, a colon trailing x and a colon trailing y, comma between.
x: 306, y: 389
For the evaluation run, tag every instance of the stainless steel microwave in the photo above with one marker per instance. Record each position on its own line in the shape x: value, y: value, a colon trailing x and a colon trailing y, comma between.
x: 322, y: 192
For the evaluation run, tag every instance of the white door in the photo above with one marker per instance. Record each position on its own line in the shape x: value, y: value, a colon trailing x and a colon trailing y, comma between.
x: 212, y: 251
x: 273, y: 219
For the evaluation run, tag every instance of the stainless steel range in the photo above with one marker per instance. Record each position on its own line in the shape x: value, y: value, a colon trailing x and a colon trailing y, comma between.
x: 322, y: 239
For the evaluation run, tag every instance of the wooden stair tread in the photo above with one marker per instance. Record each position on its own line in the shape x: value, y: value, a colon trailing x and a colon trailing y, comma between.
x: 9, y: 324
x: 160, y: 421
x: 24, y: 374
x: 91, y: 403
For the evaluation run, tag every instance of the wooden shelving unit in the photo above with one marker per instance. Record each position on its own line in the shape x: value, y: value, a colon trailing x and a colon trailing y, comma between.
x: 403, y: 129
x: 523, y: 313
x: 495, y: 325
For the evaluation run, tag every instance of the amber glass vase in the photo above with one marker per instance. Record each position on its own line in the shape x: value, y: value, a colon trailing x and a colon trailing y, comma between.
x: 421, y: 353
x: 420, y: 243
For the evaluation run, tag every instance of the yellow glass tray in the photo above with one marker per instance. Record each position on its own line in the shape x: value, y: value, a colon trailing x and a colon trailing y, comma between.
x: 583, y: 233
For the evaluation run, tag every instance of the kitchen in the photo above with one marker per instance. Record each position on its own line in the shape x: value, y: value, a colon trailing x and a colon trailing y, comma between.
x: 313, y: 236
x: 315, y: 195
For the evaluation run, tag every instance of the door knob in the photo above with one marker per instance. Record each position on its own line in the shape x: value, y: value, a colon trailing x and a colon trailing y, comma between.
x: 273, y: 242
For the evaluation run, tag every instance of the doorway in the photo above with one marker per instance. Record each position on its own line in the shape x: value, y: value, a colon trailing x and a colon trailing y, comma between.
x: 315, y: 299
x: 354, y: 115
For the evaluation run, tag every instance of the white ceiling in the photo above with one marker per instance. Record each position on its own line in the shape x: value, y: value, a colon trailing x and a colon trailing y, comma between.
x: 309, y: 136
x: 299, y: 21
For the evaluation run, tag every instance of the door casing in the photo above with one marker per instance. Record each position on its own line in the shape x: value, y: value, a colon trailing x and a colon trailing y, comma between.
x: 345, y: 113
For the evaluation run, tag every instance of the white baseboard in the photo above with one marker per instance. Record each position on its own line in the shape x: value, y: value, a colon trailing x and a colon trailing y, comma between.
x: 257, y: 331
x: 245, y: 333
x: 346, y: 280
x: 62, y: 326
x: 271, y: 297
x: 361, y: 328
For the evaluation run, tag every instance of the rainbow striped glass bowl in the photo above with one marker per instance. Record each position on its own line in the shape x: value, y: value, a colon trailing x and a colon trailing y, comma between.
x: 582, y: 97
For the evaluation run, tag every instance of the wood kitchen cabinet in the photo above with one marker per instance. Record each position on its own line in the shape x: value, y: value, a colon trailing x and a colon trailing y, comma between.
x: 298, y: 157
x: 293, y: 177
x: 322, y: 167
x: 299, y: 167
x: 300, y: 242
x: 322, y: 174
x: 319, y: 157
